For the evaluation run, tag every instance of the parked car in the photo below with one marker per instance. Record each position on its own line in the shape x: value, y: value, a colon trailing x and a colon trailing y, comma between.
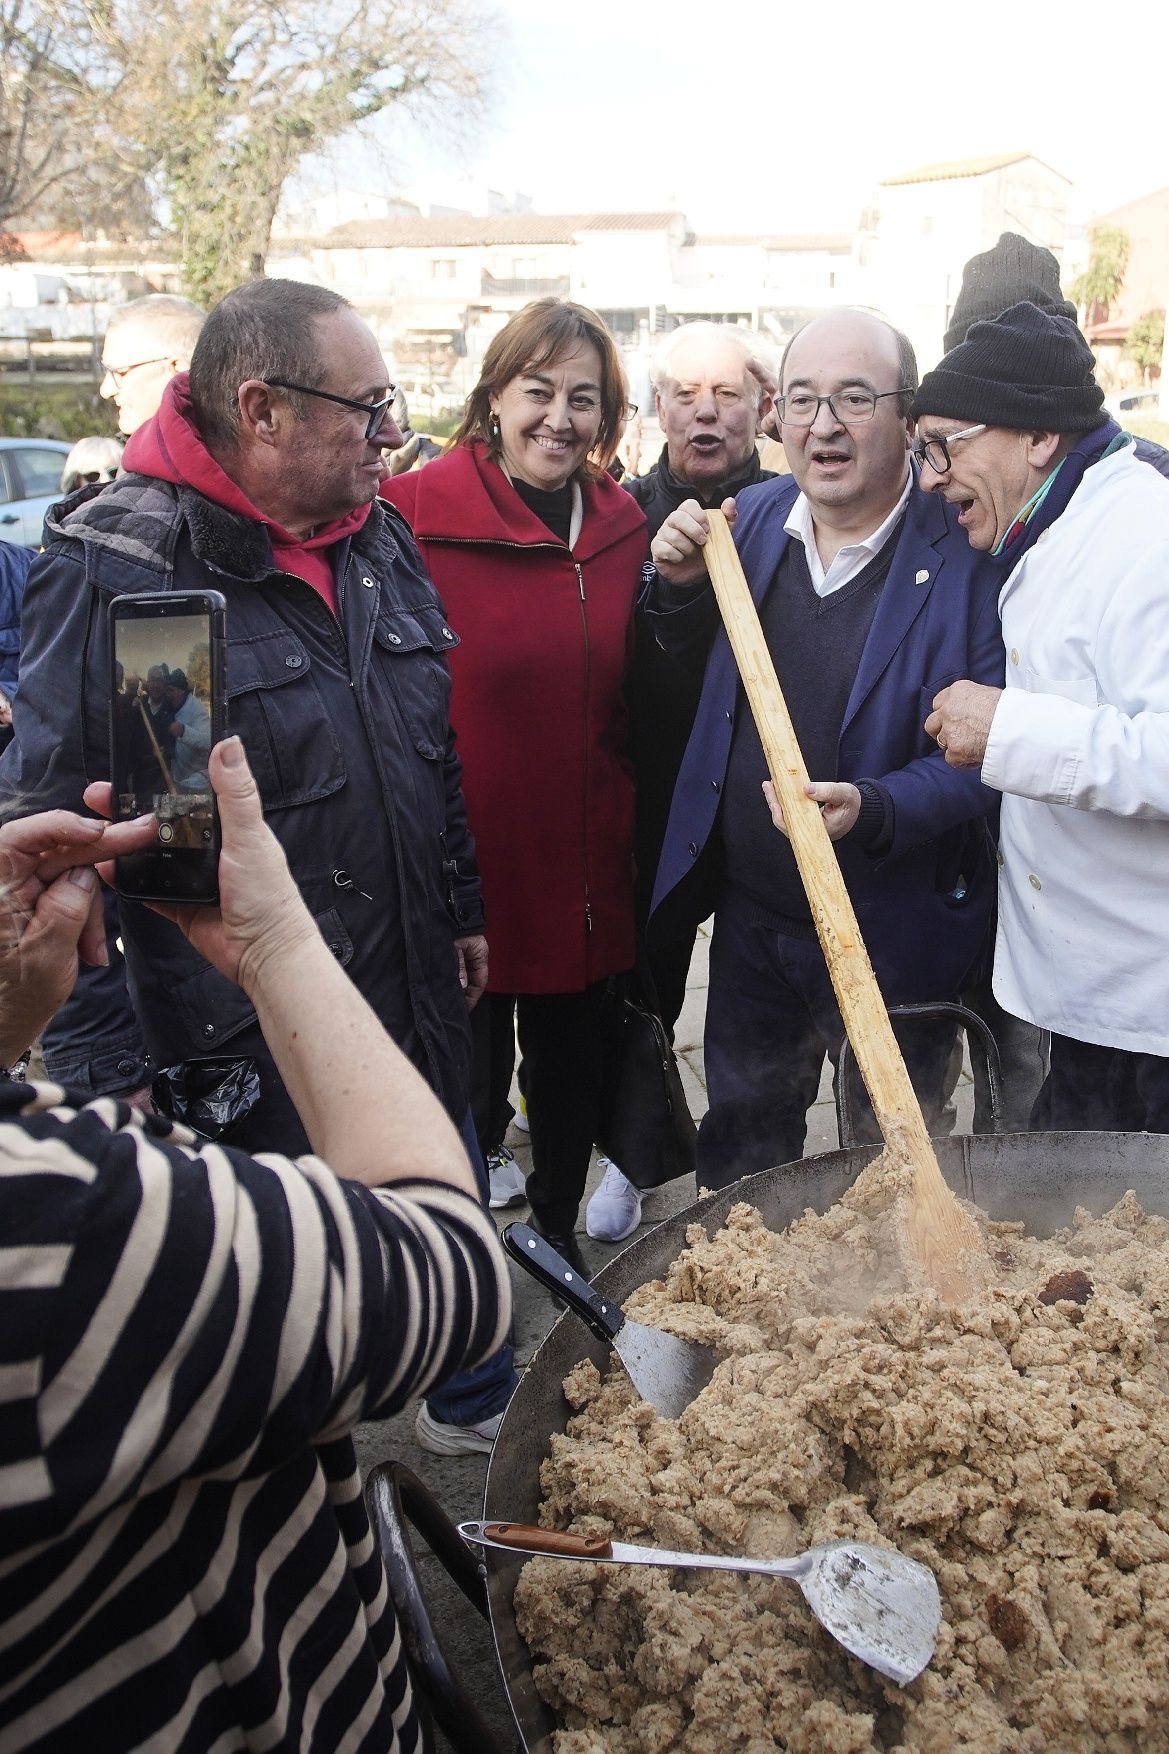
x: 430, y: 398
x: 1135, y: 401
x: 30, y: 482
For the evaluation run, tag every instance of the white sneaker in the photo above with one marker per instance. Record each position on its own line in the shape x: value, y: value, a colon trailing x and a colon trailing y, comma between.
x: 614, y: 1212
x: 508, y: 1185
x: 442, y: 1439
x: 519, y: 1119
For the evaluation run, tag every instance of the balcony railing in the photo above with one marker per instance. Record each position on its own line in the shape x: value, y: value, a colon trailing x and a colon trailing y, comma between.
x: 556, y: 286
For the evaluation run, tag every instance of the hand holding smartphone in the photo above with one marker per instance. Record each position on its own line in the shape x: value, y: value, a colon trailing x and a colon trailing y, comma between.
x: 168, y: 706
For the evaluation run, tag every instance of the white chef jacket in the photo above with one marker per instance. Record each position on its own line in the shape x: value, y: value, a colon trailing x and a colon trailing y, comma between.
x: 1079, y: 745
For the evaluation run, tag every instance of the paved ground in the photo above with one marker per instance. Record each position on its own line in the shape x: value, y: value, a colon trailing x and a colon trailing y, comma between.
x: 457, y: 1481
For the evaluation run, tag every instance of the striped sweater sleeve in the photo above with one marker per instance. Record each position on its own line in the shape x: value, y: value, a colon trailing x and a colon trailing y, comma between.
x: 182, y: 1314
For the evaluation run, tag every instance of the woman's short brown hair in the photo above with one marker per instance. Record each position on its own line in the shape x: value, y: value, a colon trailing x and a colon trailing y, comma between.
x: 536, y: 336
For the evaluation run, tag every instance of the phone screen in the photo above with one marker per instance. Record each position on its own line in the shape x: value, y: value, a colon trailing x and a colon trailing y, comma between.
x: 166, y: 711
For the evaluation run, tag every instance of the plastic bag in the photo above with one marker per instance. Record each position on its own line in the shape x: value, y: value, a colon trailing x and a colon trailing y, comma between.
x: 209, y: 1096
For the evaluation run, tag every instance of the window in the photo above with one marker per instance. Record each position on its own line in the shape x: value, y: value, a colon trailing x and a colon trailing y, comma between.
x: 40, y: 471
x: 442, y: 268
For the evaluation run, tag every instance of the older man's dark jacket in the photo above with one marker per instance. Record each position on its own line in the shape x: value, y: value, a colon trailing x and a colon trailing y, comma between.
x: 663, y: 694
x: 344, y: 720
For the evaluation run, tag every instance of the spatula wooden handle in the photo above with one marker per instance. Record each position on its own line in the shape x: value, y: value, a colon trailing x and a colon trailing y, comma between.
x: 866, y: 1019
x: 531, y: 1538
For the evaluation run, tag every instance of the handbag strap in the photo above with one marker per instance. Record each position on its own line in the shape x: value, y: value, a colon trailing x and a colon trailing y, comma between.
x: 644, y: 986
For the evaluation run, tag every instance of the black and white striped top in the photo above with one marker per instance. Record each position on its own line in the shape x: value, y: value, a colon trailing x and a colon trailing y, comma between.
x: 186, y: 1340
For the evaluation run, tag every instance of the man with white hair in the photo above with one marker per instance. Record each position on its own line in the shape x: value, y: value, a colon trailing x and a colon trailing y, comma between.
x: 709, y: 406
x: 147, y: 342
x: 95, y: 1043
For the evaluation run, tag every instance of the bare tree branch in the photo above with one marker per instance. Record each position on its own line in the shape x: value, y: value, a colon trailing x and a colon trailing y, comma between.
x: 216, y: 103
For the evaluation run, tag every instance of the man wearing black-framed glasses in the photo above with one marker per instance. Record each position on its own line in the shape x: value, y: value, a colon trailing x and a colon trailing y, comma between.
x: 865, y: 592
x: 258, y: 478
x: 1077, y: 741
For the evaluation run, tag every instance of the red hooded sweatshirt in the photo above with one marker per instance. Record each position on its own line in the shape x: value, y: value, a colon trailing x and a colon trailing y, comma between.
x: 170, y: 448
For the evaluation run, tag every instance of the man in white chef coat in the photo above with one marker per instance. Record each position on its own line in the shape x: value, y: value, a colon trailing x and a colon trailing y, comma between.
x: 1012, y: 432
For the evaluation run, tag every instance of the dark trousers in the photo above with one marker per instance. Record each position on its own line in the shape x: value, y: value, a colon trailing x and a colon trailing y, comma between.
x: 771, y: 1017
x: 1094, y: 1089
x: 560, y: 1040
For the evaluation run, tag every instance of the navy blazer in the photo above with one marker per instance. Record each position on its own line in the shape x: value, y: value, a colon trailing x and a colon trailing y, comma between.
x: 926, y: 904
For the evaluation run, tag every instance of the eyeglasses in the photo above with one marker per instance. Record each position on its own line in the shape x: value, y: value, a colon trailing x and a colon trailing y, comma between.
x: 375, y: 410
x: 936, y: 451
x: 119, y: 373
x: 849, y: 407
x: 630, y: 410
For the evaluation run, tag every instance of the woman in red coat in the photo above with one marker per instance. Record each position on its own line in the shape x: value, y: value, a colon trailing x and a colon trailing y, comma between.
x: 537, y: 556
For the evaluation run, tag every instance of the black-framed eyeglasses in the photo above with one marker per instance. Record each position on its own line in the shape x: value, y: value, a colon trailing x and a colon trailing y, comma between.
x: 936, y: 451
x: 849, y: 407
x: 375, y: 410
x: 119, y: 373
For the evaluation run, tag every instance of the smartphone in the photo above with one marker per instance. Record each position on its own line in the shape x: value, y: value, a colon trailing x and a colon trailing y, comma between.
x: 168, y: 705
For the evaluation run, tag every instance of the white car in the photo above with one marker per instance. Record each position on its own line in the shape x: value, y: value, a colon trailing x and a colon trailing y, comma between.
x: 430, y: 399
x: 1136, y: 401
x: 30, y: 482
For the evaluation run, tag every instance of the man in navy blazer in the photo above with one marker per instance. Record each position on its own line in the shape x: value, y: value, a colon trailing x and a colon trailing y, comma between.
x: 871, y: 599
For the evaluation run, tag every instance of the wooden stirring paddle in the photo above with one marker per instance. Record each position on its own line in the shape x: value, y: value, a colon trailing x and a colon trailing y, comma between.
x: 940, y: 1236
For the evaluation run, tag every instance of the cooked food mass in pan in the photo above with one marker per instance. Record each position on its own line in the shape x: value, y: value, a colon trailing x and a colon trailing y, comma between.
x: 1018, y: 1445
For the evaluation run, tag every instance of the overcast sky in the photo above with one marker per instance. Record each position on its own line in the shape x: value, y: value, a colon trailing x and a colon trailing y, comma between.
x: 755, y: 116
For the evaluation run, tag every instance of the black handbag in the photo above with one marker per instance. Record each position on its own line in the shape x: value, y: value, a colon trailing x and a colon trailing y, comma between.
x: 645, y: 1122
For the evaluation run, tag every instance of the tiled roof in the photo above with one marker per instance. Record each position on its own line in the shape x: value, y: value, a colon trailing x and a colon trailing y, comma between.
x: 959, y: 168
x: 811, y: 241
x: 814, y: 241
x: 464, y: 230
x: 718, y: 240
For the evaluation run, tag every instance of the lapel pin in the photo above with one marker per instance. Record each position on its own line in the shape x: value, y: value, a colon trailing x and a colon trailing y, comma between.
x: 921, y: 578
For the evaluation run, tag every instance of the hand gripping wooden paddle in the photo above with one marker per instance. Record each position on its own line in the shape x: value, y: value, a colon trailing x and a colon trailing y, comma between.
x: 939, y: 1235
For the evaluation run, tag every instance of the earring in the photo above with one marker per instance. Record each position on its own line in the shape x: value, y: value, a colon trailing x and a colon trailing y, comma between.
x: 493, y: 429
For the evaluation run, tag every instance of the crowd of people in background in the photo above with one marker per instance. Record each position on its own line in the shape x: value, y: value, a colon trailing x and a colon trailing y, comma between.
x: 489, y: 751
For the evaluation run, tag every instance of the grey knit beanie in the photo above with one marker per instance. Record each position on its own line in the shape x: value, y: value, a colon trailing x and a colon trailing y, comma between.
x: 1028, y: 369
x: 1012, y: 271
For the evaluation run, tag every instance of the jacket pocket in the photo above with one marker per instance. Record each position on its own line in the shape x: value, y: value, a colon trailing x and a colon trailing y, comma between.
x: 925, y: 696
x: 275, y: 706
x: 412, y: 645
x: 209, y: 1010
x: 1081, y: 689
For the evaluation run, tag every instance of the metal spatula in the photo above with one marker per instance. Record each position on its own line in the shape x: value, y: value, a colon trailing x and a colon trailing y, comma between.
x: 880, y: 1605
x: 665, y: 1371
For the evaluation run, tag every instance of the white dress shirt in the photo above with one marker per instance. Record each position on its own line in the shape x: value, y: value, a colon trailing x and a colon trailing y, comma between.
x: 854, y: 555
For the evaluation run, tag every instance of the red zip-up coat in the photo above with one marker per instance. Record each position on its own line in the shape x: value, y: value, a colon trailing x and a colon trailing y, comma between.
x: 538, y: 708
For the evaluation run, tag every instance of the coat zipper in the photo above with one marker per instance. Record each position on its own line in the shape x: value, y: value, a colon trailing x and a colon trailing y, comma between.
x: 584, y: 623
x: 559, y: 548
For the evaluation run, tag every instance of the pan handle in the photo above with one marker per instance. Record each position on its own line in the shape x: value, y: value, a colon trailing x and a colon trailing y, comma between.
x: 552, y: 1271
x: 394, y: 1498
x: 964, y: 1018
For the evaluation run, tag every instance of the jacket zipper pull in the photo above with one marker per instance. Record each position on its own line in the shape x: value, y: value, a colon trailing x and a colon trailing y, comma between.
x: 580, y: 581
x: 588, y: 917
x: 450, y: 870
x: 343, y: 880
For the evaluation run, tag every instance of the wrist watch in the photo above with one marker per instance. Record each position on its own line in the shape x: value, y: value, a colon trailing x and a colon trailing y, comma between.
x: 18, y: 1071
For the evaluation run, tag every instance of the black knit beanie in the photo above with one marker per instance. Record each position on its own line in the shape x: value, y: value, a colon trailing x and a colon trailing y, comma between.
x: 991, y: 283
x: 1028, y: 369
